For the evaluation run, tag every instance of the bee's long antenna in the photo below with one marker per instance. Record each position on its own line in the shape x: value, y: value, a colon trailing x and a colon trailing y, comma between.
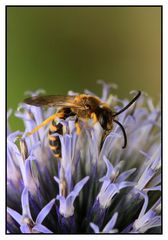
x: 124, y: 133
x: 129, y: 104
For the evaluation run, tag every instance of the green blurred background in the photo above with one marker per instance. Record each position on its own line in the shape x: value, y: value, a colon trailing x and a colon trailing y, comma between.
x: 69, y: 48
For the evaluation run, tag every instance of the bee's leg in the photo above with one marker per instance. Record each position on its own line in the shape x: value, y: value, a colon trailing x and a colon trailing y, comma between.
x: 51, y: 118
x: 94, y: 117
x: 123, y: 131
x: 78, y: 127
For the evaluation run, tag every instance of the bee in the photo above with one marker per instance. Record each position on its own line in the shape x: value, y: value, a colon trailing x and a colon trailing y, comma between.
x: 84, y: 107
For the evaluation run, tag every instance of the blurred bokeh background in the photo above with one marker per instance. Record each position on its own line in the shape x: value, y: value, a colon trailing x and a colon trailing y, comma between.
x: 69, y: 48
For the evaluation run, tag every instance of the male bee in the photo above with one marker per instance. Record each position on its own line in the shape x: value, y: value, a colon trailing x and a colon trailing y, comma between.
x: 83, y: 107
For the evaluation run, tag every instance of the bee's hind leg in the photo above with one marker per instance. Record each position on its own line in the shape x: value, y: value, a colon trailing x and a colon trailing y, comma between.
x: 51, y: 118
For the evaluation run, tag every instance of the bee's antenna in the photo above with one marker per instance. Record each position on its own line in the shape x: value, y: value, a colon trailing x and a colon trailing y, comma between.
x: 124, y: 133
x: 129, y: 104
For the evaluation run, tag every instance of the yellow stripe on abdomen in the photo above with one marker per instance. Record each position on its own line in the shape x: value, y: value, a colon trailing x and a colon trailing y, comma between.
x: 54, y: 141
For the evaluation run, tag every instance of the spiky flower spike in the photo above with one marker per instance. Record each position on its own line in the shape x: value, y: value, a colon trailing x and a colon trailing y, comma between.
x: 92, y: 189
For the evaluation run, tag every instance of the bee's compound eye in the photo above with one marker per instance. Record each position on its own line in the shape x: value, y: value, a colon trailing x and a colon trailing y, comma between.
x: 103, y: 120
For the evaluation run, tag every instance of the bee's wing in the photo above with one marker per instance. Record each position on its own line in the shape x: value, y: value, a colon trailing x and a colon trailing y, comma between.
x: 52, y: 101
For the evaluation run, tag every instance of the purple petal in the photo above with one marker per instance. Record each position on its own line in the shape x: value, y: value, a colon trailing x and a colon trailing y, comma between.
x: 125, y: 184
x: 145, y: 154
x: 157, y: 188
x: 155, y: 222
x: 35, y: 93
x: 106, y: 89
x: 25, y: 228
x: 156, y: 204
x: 41, y: 229
x: 30, y: 181
x: 110, y: 225
x: 38, y: 115
x: 156, y: 158
x: 125, y: 175
x: 57, y: 179
x: 130, y: 121
x: 66, y: 204
x: 23, y: 116
x: 107, y: 194
x: 145, y: 178
x: 155, y: 180
x: 66, y: 207
x: 105, y: 185
x: 12, y: 137
x: 17, y: 216
x: 13, y: 162
x: 105, y: 179
x: 28, y: 121
x: 147, y: 221
x: 34, y: 147
x: 66, y: 150
x: 94, y: 227
x: 25, y: 203
x: 108, y: 143
x: 145, y: 205
x: 79, y: 186
x: 66, y: 161
x: 13, y: 152
x: 61, y: 199
x: 110, y: 168
x: 87, y: 92
x: 148, y: 215
x: 44, y: 212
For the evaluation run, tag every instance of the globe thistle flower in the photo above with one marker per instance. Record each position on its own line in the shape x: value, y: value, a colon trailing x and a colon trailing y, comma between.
x: 92, y: 189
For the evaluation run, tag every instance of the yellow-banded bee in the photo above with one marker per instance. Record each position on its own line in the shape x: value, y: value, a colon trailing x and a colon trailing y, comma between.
x: 82, y: 106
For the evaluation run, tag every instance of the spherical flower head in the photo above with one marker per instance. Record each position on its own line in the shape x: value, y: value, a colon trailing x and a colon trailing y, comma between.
x: 95, y: 185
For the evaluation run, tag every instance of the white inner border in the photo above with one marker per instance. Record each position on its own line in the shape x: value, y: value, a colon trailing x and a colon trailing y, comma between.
x: 3, y: 3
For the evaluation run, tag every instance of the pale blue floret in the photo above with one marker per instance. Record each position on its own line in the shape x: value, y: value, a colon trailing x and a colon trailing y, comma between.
x: 113, y: 182
x: 27, y: 225
x: 151, y: 175
x: 109, y: 228
x: 66, y: 207
x: 147, y: 219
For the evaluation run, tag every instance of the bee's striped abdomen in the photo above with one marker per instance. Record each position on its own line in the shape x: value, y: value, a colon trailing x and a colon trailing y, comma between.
x: 54, y: 141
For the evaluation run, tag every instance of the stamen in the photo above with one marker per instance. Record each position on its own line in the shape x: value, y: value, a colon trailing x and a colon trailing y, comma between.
x: 23, y: 149
x: 63, y: 186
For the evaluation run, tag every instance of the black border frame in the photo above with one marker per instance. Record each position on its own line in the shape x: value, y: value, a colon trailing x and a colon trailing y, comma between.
x: 161, y: 84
